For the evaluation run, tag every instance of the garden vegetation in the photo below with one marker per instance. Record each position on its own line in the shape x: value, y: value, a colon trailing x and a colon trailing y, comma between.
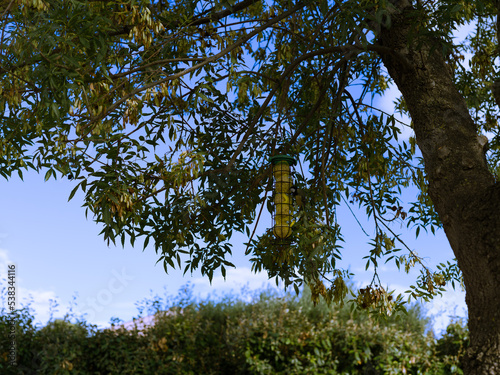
x: 265, y: 333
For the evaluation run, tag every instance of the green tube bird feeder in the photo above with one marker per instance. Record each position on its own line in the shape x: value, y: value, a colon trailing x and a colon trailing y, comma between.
x: 282, y: 218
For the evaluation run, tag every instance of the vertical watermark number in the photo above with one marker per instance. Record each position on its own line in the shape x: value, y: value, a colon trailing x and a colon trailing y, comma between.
x: 11, y: 306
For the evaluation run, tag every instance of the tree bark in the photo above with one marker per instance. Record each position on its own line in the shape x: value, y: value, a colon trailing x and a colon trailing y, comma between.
x: 461, y: 186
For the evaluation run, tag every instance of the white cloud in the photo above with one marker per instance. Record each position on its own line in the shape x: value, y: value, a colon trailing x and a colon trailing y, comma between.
x: 40, y: 302
x: 4, y: 259
x: 444, y: 309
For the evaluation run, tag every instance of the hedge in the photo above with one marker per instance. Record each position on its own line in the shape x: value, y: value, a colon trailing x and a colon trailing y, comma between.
x: 271, y: 334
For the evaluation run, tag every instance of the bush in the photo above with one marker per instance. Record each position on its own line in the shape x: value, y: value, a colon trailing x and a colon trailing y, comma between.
x: 272, y: 334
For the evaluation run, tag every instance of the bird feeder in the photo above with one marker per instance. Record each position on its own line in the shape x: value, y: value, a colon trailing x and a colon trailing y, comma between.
x: 282, y: 198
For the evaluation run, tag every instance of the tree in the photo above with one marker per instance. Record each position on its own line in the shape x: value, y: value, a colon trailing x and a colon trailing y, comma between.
x: 166, y: 113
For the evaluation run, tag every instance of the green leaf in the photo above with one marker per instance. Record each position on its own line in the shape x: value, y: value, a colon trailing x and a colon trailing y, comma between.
x: 204, y: 97
x: 49, y: 173
x: 73, y: 191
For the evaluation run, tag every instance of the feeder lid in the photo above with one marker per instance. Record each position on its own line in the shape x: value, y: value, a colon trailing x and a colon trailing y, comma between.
x: 277, y: 158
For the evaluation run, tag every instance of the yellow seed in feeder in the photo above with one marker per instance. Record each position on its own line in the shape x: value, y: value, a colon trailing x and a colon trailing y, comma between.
x: 281, y: 171
x: 282, y: 216
x: 282, y: 232
x: 281, y: 228
x: 283, y: 187
x: 282, y: 199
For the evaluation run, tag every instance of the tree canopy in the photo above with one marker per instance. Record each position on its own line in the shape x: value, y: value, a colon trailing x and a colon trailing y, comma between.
x: 166, y: 114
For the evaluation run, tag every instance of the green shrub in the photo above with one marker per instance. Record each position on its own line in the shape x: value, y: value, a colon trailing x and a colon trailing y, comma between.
x: 451, y: 347
x: 272, y: 334
x: 25, y: 341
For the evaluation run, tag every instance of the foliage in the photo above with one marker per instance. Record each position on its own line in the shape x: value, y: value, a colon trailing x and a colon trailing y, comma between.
x: 451, y: 347
x: 61, y: 339
x: 278, y: 334
x: 165, y: 115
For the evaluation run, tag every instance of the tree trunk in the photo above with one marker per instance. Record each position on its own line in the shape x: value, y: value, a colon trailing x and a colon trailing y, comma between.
x: 462, y: 188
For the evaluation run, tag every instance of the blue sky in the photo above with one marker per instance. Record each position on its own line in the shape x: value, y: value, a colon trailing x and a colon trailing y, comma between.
x: 58, y: 254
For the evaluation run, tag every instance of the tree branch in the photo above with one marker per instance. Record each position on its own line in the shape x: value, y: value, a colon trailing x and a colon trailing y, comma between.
x: 208, y: 60
x: 288, y: 71
x: 223, y: 13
